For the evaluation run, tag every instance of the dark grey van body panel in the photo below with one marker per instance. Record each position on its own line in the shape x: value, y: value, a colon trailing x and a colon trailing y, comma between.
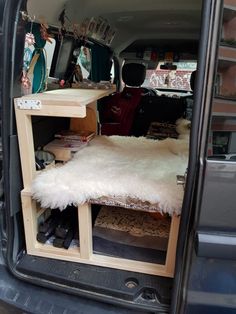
x: 210, y: 278
x: 219, y: 197
x: 216, y: 236
x: 212, y: 281
x: 208, y: 282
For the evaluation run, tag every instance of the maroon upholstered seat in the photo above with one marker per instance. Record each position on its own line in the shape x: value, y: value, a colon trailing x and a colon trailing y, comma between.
x: 119, y: 109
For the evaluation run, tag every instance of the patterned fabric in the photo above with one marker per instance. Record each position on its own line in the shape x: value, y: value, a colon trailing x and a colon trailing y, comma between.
x: 132, y: 228
x: 161, y: 130
x: 127, y: 202
x: 133, y: 222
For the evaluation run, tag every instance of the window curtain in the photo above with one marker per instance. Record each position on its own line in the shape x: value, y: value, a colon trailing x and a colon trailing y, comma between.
x: 101, y: 64
x: 40, y: 70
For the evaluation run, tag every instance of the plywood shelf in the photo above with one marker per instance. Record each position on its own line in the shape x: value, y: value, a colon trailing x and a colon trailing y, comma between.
x: 67, y: 98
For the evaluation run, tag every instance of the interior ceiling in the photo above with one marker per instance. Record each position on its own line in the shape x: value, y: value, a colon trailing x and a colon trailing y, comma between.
x: 175, y: 45
x: 134, y: 19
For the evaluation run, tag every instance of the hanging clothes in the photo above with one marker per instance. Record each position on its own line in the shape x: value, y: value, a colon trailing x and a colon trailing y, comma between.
x: 40, y: 70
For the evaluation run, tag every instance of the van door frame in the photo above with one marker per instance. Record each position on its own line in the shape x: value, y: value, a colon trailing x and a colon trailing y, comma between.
x: 14, y: 29
x: 206, y: 69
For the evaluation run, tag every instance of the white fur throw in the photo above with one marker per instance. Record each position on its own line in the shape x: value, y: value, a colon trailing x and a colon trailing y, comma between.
x: 117, y: 166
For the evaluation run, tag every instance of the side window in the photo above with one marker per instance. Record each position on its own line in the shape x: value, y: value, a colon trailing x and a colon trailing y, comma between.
x: 49, y: 49
x: 222, y: 139
x: 84, y: 60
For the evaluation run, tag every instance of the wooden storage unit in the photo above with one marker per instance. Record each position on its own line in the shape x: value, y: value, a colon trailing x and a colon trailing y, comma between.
x: 73, y: 103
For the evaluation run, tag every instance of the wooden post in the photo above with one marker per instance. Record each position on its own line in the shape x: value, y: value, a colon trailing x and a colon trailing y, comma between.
x: 85, y: 231
x: 172, y: 245
x: 26, y: 146
x: 30, y: 221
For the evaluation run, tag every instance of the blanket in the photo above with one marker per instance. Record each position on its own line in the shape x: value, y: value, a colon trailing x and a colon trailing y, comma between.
x: 116, y: 166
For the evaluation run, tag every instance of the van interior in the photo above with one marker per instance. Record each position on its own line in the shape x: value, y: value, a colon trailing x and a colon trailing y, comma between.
x: 103, y: 117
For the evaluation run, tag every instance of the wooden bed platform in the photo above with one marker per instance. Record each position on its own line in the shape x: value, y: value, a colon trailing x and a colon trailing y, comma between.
x: 73, y: 103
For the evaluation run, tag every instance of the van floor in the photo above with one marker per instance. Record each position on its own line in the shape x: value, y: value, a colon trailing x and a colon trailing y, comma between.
x: 18, y: 297
x: 137, y: 289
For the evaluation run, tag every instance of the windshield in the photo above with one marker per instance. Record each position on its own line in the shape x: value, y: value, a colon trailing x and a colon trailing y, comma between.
x: 178, y: 79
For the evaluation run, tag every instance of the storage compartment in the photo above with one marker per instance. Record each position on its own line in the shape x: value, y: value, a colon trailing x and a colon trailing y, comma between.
x: 79, y: 236
x: 131, y: 234
x: 59, y: 229
x: 116, y: 232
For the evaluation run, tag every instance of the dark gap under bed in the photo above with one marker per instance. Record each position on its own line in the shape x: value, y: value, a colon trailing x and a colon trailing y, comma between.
x: 109, y: 248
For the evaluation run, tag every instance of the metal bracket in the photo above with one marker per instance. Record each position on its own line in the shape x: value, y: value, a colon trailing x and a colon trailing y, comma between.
x: 181, y: 179
x: 32, y: 104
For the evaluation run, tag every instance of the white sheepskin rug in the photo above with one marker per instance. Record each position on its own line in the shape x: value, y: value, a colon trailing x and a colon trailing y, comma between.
x: 118, y: 166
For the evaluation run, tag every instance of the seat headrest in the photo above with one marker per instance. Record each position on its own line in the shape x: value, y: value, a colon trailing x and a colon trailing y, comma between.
x: 133, y: 74
x: 192, y: 79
